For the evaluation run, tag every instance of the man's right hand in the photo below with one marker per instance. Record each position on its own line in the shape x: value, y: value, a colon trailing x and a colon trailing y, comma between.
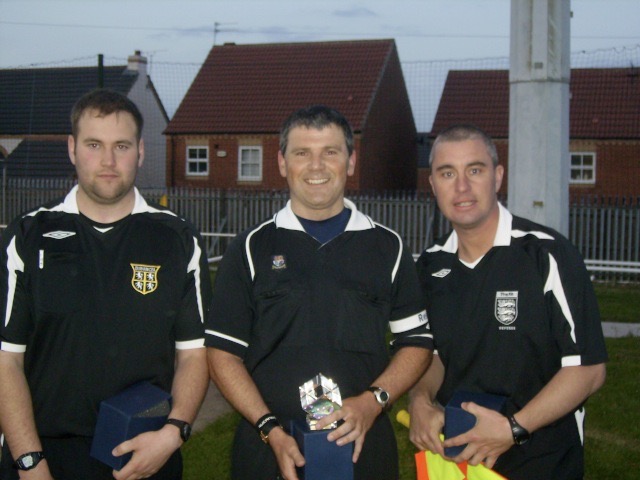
x: 427, y: 421
x: 287, y: 453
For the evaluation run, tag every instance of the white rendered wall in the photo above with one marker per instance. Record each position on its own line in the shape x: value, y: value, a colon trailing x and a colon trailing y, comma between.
x: 153, y: 171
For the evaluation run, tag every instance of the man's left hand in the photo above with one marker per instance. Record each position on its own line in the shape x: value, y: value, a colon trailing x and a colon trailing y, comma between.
x: 151, y: 450
x: 487, y: 440
x: 357, y: 415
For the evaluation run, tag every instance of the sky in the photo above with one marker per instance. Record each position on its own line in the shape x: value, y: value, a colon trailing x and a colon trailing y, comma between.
x: 37, y: 32
x: 45, y: 33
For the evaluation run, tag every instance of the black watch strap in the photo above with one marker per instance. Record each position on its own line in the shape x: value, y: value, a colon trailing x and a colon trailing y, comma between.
x: 520, y: 434
x: 265, y: 424
x: 184, y: 427
x: 28, y: 461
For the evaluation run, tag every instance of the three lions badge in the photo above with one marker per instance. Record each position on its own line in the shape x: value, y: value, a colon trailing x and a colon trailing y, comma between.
x: 506, y: 307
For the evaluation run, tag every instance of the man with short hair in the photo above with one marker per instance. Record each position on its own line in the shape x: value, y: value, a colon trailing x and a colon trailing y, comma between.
x: 513, y: 313
x: 99, y: 291
x: 314, y: 290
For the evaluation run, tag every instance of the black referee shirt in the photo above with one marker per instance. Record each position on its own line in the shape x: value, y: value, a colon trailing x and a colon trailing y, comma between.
x: 97, y: 309
x: 507, y: 324
x: 292, y: 307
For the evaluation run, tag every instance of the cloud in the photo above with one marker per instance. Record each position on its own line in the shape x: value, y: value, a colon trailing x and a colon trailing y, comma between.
x: 355, y: 12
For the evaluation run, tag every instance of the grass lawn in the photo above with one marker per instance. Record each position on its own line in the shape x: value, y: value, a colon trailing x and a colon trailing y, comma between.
x: 619, y: 302
x: 612, y: 426
x: 613, y: 416
x: 207, y: 454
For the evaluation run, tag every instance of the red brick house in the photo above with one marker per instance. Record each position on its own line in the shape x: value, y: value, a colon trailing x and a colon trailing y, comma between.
x: 225, y: 132
x: 604, y: 127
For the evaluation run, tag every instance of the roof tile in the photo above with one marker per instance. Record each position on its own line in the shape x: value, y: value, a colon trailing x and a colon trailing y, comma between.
x: 605, y: 102
x: 253, y: 88
x: 39, y: 100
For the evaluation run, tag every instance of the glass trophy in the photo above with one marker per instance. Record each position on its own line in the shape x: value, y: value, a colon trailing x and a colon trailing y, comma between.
x: 320, y: 397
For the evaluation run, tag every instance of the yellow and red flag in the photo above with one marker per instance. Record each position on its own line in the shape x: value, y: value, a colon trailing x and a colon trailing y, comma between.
x: 431, y: 466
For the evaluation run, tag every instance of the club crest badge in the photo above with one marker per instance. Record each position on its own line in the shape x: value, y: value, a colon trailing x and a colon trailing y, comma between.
x: 145, y: 278
x: 506, y: 309
x: 278, y: 262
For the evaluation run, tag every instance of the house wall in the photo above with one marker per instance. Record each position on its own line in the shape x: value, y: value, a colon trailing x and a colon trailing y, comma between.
x: 223, y: 162
x: 389, y: 153
x: 153, y: 172
x: 617, y: 168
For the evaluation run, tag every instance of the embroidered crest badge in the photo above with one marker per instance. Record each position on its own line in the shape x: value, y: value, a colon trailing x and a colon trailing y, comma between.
x: 506, y: 309
x: 145, y: 278
x: 278, y: 262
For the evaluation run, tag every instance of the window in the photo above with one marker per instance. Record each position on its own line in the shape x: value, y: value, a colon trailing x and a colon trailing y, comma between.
x: 197, y: 160
x: 250, y: 163
x: 583, y: 168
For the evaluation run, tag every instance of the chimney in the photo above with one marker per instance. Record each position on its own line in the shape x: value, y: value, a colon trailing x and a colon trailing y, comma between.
x: 137, y: 63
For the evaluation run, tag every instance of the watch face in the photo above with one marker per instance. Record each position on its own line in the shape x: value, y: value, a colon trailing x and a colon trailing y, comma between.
x: 522, y: 438
x: 382, y: 396
x: 28, y: 460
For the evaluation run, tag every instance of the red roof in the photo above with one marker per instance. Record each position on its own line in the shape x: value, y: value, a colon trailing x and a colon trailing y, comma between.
x: 253, y: 88
x: 605, y: 102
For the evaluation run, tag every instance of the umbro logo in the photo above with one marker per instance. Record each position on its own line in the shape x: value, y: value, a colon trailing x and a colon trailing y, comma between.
x: 59, y: 234
x: 442, y: 273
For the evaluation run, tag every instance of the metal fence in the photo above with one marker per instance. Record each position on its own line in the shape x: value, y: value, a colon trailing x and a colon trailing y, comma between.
x: 606, y: 231
x: 233, y: 211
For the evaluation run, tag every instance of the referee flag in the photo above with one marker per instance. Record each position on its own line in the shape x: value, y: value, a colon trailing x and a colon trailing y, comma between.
x: 431, y: 466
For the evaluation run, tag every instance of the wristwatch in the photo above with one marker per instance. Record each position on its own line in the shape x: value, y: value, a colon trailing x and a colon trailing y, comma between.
x: 28, y: 460
x: 382, y: 397
x: 184, y: 427
x: 265, y: 424
x: 520, y: 434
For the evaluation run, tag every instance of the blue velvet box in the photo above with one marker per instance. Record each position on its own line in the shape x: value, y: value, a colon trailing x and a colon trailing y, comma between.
x: 457, y: 421
x: 324, y: 460
x: 140, y: 408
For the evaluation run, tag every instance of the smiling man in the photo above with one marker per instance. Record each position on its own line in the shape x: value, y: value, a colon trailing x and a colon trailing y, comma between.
x: 99, y: 290
x: 513, y: 313
x: 315, y: 289
x: 316, y: 166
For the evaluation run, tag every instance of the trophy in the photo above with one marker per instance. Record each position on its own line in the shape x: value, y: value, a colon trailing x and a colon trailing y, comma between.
x: 319, y: 397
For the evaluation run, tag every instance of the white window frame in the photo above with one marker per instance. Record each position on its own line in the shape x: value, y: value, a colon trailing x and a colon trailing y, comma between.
x: 250, y: 178
x: 189, y: 161
x: 582, y: 168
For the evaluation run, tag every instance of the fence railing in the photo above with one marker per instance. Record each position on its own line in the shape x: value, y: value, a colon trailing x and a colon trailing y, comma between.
x: 604, y: 230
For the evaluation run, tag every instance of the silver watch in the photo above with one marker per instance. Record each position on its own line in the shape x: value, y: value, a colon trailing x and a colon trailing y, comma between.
x: 382, y: 397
